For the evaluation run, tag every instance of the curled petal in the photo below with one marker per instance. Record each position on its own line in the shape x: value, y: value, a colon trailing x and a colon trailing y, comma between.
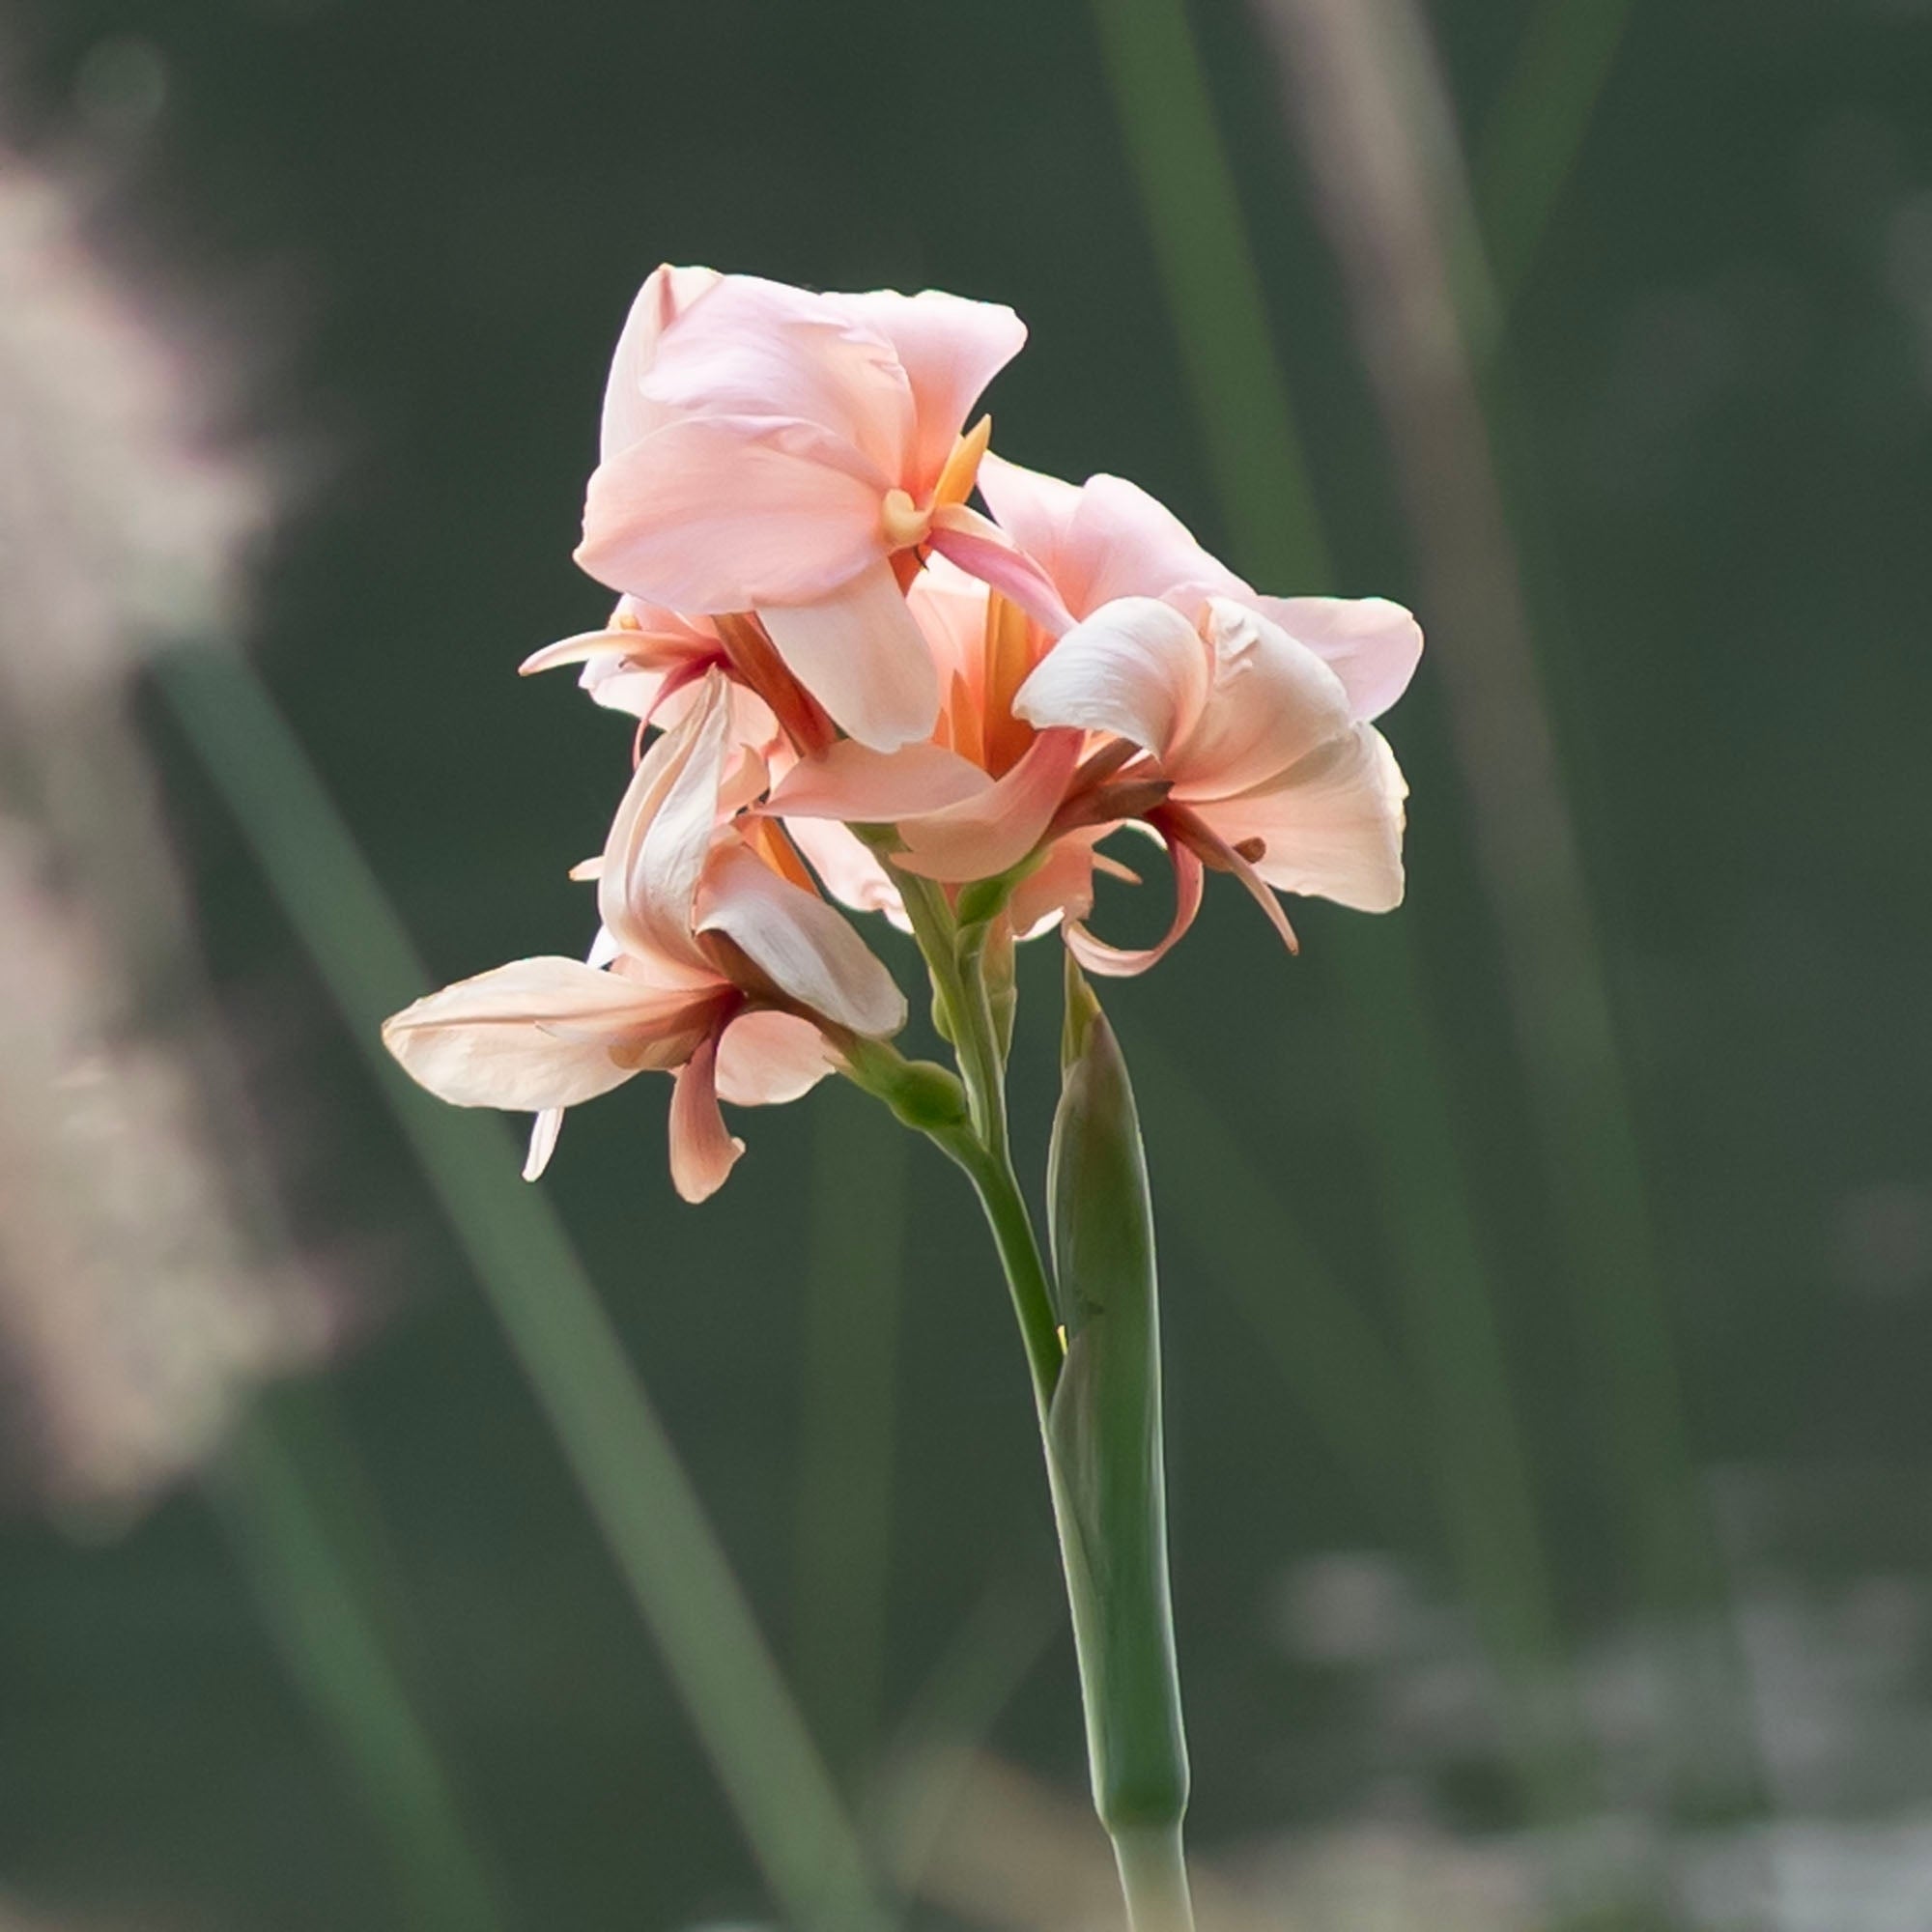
x: 662, y: 832
x: 862, y: 654
x: 806, y: 949
x: 725, y: 513
x: 539, y: 1034
x: 1330, y: 827
x: 1371, y: 644
x: 950, y: 348
x: 1215, y: 850
x: 1118, y: 963
x: 766, y: 1057
x: 1136, y: 667
x: 987, y: 835
x: 853, y: 782
x: 703, y: 1151
x: 982, y: 550
x: 1271, y: 702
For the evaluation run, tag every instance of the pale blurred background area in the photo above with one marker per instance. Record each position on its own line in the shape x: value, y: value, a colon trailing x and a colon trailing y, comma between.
x: 1547, y: 1268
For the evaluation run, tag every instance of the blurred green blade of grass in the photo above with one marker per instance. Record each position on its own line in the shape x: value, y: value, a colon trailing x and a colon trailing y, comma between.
x: 1353, y: 1390
x: 624, y: 1462
x: 332, y: 1648
x: 1475, y: 1455
x: 854, y: 1260
x: 1535, y: 131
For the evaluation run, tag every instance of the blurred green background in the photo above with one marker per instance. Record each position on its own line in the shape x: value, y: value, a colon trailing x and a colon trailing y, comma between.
x: 1547, y: 1267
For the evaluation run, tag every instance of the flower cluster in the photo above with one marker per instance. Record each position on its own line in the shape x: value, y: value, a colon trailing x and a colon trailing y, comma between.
x: 861, y: 685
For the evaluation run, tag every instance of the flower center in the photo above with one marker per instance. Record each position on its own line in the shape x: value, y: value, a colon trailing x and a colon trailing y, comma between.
x: 902, y: 521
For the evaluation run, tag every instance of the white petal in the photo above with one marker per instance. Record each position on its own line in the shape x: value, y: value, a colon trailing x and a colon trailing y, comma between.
x: 1136, y: 667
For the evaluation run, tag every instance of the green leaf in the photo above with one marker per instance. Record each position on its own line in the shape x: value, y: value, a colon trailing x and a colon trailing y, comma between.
x: 1104, y: 1433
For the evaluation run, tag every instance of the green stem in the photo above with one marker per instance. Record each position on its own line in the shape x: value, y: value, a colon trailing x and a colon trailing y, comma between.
x: 1154, y: 1876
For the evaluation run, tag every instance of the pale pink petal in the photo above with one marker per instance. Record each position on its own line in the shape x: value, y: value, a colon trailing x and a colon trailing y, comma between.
x: 951, y: 607
x: 1272, y: 702
x: 1108, y: 539
x: 1136, y: 667
x: 951, y: 348
x: 533, y: 1035
x: 669, y: 292
x: 1119, y: 964
x: 806, y: 947
x: 1061, y: 887
x: 725, y: 513
x: 853, y: 782
x: 544, y: 1130
x: 1371, y: 644
x: 767, y: 1058
x: 756, y: 348
x: 982, y: 550
x: 988, y: 834
x: 1330, y: 827
x: 847, y: 867
x: 703, y: 1151
x: 1128, y: 544
x: 662, y: 832
x: 862, y: 654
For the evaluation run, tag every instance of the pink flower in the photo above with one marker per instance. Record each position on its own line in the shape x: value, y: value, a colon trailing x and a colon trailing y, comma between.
x: 736, y: 979
x: 771, y: 450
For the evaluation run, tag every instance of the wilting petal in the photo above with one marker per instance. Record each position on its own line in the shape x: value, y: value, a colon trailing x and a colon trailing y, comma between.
x: 1371, y: 644
x: 766, y: 1057
x: 860, y: 653
x: 1330, y: 827
x: 725, y: 513
x: 662, y: 832
x: 628, y: 415
x: 853, y: 782
x: 847, y: 867
x: 982, y: 550
x: 806, y: 947
x: 1118, y: 963
x: 535, y: 1033
x: 1136, y: 667
x: 1272, y: 702
x: 950, y: 348
x: 762, y: 349
x: 987, y: 835
x: 703, y: 1151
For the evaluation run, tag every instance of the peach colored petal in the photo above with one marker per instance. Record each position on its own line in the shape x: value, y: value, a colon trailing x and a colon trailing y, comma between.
x: 667, y: 293
x: 1136, y: 667
x: 806, y: 949
x: 1330, y: 827
x: 1118, y: 963
x: 982, y: 550
x: 853, y: 782
x: 760, y: 349
x: 725, y: 513
x: 862, y: 654
x: 767, y: 1058
x: 703, y: 1151
x: 1061, y: 887
x: 985, y: 836
x: 950, y: 348
x: 536, y: 1033
x: 1371, y: 644
x: 1271, y: 702
x: 949, y: 607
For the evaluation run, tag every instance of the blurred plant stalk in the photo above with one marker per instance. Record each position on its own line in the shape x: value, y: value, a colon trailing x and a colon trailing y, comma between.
x: 148, y: 1286
x: 1370, y: 109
